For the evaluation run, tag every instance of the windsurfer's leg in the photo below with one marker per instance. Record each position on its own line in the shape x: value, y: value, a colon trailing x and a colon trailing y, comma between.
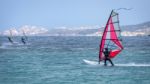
x: 11, y: 41
x: 24, y: 42
x: 111, y: 62
x: 105, y: 62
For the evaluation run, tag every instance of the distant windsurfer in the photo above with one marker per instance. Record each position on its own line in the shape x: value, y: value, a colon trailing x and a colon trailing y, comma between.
x: 107, y: 58
x: 23, y: 40
x: 10, y: 40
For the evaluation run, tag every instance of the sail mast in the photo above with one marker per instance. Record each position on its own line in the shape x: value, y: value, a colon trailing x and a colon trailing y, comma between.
x: 10, y: 31
x: 24, y: 34
x: 100, y: 50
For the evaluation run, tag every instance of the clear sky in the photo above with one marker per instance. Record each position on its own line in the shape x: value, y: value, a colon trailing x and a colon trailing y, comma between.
x: 56, y: 13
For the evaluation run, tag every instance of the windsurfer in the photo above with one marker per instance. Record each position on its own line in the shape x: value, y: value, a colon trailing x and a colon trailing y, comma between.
x: 23, y: 40
x: 10, y: 40
x: 107, y: 58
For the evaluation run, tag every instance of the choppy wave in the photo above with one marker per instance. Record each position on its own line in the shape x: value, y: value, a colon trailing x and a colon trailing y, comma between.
x: 134, y: 65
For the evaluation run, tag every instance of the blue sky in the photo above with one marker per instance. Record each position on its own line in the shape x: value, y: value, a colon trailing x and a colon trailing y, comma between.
x: 56, y: 13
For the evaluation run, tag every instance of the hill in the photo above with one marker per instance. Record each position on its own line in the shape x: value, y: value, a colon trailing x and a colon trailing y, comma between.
x: 127, y: 30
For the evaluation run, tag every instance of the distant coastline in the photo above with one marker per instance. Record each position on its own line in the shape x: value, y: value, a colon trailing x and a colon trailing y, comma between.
x: 142, y: 29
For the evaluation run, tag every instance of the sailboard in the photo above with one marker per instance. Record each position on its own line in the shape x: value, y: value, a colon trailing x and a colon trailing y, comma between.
x: 95, y: 63
x: 111, y: 38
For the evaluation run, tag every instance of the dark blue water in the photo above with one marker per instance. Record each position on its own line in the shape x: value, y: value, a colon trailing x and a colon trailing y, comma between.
x: 59, y: 60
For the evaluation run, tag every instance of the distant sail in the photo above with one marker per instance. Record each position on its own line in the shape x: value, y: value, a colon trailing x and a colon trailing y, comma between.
x: 24, y: 34
x: 111, y: 38
x: 10, y: 37
x: 24, y: 37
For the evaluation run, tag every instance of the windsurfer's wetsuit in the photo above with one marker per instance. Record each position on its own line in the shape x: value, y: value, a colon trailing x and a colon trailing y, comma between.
x: 106, y: 53
x: 23, y: 40
x: 10, y: 40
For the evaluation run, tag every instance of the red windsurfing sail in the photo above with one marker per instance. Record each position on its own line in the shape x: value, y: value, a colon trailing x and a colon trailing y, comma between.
x: 111, y: 38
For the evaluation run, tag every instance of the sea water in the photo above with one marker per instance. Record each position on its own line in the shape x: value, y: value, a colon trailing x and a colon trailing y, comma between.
x: 59, y: 60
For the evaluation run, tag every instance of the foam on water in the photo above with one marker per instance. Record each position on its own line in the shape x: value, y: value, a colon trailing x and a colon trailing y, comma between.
x: 15, y: 45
